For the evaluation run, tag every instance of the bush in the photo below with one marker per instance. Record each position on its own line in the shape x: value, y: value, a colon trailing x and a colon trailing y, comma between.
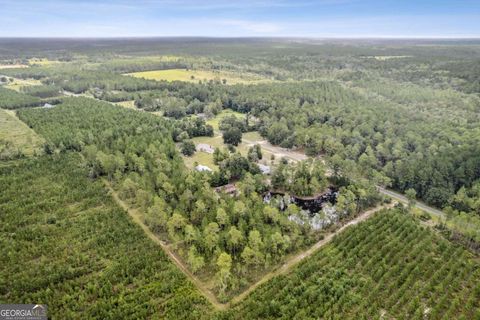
x: 188, y: 148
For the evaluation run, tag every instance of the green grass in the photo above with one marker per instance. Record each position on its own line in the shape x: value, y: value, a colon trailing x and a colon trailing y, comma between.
x: 206, y: 159
x: 17, y: 84
x: 130, y: 104
x: 215, y: 141
x: 253, y: 136
x: 202, y: 158
x: 18, y: 133
x: 42, y: 61
x: 215, y: 122
x: 197, y: 75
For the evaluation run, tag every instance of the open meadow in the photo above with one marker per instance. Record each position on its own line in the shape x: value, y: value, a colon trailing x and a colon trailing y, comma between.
x: 198, y: 75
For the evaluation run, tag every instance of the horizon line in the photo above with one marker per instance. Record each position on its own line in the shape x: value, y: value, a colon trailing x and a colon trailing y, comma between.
x: 476, y: 37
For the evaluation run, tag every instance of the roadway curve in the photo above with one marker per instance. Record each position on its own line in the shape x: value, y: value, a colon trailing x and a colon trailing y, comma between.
x: 299, y: 156
x: 420, y: 205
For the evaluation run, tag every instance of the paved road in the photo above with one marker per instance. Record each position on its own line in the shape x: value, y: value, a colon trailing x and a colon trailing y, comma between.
x: 400, y: 197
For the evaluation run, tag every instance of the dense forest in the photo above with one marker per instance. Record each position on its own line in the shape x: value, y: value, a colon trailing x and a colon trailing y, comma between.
x: 384, y: 132
x: 10, y: 99
x: 136, y: 153
x: 65, y: 243
x: 215, y: 170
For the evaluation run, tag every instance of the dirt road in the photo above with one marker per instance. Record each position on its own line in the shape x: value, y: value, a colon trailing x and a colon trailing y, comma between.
x: 293, y: 261
x: 278, y: 151
x: 136, y: 217
x: 288, y: 264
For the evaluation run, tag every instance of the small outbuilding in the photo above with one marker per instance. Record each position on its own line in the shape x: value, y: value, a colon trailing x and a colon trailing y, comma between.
x: 230, y: 189
x: 264, y: 168
x: 205, y: 148
x: 202, y: 168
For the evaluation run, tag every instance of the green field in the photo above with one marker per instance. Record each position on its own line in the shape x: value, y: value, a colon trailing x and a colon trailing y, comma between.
x: 389, y: 267
x: 196, y: 75
x: 18, y: 133
x: 216, y: 141
x: 214, y: 122
x: 206, y: 159
x: 42, y: 61
x: 19, y: 83
x: 202, y: 158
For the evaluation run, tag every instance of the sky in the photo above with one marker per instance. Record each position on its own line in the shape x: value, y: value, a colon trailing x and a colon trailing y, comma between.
x: 231, y: 18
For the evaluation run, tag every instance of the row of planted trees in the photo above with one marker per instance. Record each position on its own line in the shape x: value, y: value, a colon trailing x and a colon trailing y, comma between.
x: 388, y: 266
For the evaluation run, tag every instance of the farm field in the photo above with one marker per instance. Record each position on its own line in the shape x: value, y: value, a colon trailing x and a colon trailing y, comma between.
x: 386, y: 267
x: 196, y: 76
x: 14, y: 131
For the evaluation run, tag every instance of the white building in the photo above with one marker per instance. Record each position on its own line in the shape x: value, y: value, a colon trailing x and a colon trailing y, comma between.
x: 205, y: 148
x: 264, y: 168
x: 202, y: 168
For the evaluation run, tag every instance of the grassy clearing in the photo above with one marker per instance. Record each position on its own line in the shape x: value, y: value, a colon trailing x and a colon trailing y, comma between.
x: 216, y: 141
x: 248, y: 139
x: 197, y: 75
x: 253, y: 136
x: 202, y: 158
x: 215, y: 122
x: 18, y: 83
x: 12, y: 66
x: 42, y: 61
x: 18, y: 133
x: 127, y: 104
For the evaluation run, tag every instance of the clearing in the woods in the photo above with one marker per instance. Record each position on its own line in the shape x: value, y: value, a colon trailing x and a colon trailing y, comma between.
x: 18, y: 133
x: 197, y: 75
